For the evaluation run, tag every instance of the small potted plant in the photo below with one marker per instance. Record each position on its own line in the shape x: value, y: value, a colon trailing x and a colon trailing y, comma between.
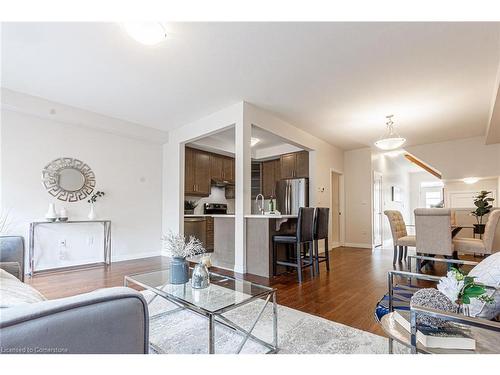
x: 483, y: 207
x: 189, y: 207
x: 178, y: 248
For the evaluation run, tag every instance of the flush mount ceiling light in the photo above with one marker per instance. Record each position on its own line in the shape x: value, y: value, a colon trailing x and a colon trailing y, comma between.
x: 470, y: 180
x: 391, y: 140
x: 148, y: 33
x: 254, y: 141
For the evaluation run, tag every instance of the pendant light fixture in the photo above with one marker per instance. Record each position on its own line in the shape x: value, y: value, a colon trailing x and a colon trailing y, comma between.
x: 148, y: 33
x: 391, y: 140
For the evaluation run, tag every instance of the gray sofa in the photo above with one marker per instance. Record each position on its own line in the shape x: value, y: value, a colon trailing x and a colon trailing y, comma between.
x: 112, y: 320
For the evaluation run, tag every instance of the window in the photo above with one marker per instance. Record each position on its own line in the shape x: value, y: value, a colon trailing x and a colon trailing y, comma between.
x: 431, y: 197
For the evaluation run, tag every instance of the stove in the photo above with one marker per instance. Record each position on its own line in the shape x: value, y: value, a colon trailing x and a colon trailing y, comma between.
x: 215, y: 208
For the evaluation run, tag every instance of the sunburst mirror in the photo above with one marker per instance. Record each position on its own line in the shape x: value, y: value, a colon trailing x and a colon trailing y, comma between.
x: 68, y: 179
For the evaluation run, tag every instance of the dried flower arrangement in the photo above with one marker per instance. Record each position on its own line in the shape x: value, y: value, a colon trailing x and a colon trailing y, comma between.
x: 178, y: 246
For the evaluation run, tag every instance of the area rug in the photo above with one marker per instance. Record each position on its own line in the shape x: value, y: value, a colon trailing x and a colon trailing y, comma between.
x: 185, y: 332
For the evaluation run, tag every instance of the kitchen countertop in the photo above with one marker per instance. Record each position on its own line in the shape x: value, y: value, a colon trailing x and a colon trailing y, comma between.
x: 246, y: 216
x: 271, y: 216
x: 211, y: 215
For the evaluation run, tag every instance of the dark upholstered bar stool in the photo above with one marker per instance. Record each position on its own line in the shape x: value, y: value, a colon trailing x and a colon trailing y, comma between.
x: 320, y: 232
x: 303, y: 237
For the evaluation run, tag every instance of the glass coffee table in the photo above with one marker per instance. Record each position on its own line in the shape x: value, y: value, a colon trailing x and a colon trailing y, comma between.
x: 222, y: 295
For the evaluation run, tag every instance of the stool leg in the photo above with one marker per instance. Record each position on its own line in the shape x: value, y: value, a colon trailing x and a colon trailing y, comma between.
x: 310, y: 246
x: 316, y: 256
x: 275, y: 254
x: 327, y: 254
x: 298, y: 248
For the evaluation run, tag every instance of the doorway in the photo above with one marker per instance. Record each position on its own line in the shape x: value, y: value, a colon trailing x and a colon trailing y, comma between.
x: 377, y: 209
x: 336, y: 211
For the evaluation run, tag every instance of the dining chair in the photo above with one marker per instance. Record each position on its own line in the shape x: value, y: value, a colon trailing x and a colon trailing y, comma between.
x: 400, y: 238
x: 433, y: 231
x: 484, y: 245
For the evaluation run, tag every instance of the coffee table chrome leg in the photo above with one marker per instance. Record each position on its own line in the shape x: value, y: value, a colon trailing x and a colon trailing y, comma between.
x: 275, y: 322
x: 391, y: 346
x: 211, y: 334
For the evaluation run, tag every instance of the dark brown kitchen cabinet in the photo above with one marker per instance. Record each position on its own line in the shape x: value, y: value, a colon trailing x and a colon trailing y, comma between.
x: 229, y: 169
x: 270, y: 175
x: 222, y: 168
x: 197, y: 173
x: 294, y: 165
x: 216, y: 167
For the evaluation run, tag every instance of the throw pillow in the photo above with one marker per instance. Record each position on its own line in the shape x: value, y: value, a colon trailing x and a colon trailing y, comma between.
x: 487, y: 272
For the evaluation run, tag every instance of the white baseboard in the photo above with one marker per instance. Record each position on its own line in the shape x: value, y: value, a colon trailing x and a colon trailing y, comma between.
x: 120, y: 258
x: 361, y: 245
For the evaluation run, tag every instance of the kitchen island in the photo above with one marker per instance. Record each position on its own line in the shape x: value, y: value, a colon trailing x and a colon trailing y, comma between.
x: 259, y: 235
x: 260, y: 230
x: 223, y: 239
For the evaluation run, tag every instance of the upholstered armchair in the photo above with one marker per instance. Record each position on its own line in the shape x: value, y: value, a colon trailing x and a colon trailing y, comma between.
x: 400, y: 238
x: 433, y: 231
x: 484, y: 245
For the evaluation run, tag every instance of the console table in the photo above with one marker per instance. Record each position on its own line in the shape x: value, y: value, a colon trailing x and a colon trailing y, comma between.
x: 106, y: 245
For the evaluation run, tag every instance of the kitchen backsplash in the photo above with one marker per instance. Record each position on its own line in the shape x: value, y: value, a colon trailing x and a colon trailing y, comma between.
x: 217, y: 195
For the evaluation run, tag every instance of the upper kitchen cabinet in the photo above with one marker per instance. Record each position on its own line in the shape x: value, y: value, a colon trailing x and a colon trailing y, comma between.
x: 294, y: 165
x: 229, y: 169
x: 216, y: 167
x: 222, y: 168
x: 271, y: 173
x: 197, y: 173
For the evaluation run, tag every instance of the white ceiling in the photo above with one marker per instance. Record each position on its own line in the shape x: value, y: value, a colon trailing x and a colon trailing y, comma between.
x: 334, y: 80
x: 224, y: 141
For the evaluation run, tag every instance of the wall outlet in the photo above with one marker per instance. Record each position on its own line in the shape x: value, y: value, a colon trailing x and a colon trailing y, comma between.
x: 62, y: 242
x: 63, y: 255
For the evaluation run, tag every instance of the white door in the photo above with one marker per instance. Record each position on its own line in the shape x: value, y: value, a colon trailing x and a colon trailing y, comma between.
x: 377, y: 209
x: 336, y: 209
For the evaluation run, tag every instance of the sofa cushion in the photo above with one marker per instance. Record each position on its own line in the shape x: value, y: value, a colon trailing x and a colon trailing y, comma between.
x: 487, y: 272
x: 13, y: 292
x: 13, y: 268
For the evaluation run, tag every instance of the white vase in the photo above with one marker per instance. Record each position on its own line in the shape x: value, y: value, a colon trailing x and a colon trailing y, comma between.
x: 51, y: 213
x: 92, y: 215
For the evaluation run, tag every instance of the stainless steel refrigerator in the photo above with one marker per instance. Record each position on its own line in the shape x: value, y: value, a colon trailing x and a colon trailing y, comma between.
x: 291, y: 194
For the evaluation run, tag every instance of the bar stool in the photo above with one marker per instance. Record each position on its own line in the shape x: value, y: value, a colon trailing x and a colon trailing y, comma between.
x: 320, y: 232
x: 303, y: 237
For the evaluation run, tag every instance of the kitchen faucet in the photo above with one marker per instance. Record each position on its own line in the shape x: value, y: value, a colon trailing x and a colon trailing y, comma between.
x: 261, y: 205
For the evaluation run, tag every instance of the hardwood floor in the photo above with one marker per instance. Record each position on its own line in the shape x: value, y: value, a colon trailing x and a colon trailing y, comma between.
x: 347, y: 294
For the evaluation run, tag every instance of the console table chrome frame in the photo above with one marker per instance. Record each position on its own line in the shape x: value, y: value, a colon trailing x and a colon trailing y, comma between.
x: 106, y: 243
x: 269, y: 296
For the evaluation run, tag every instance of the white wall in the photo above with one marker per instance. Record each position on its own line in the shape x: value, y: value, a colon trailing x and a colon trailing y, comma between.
x: 129, y: 170
x: 416, y: 180
x: 392, y: 175
x: 358, y: 198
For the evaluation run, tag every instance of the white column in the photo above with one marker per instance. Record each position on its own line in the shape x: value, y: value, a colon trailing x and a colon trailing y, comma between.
x: 173, y: 187
x: 243, y: 132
